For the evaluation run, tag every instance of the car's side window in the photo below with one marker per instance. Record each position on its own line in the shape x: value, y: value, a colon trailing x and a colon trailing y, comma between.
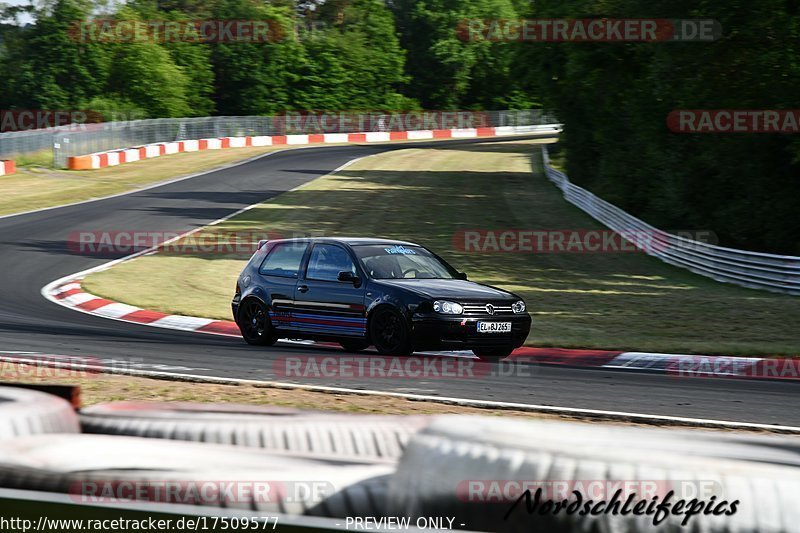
x: 284, y: 260
x: 327, y: 260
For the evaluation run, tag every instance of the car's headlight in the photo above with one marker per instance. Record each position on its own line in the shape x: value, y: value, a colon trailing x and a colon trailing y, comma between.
x: 518, y: 307
x: 447, y: 308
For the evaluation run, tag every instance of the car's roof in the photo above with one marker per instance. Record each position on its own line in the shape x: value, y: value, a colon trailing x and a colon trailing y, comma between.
x: 354, y: 241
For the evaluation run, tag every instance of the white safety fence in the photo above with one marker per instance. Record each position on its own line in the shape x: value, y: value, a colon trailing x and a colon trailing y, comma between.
x: 777, y: 273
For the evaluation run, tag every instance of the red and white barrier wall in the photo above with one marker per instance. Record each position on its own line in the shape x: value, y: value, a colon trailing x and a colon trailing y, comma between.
x: 118, y: 157
x: 7, y: 167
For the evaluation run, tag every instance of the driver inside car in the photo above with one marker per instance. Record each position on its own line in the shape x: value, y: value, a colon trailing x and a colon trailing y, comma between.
x: 384, y: 267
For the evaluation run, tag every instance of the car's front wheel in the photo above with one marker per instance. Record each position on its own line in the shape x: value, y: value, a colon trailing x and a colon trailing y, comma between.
x: 255, y: 325
x: 389, y: 332
x: 492, y: 355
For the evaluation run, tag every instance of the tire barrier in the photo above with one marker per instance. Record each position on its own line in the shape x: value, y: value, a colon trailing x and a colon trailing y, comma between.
x: 477, y: 470
x: 290, y: 430
x: 101, y: 469
x: 29, y: 412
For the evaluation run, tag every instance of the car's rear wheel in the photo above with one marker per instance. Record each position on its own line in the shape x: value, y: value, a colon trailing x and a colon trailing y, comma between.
x: 493, y: 355
x: 389, y: 333
x: 255, y: 325
x: 354, y: 345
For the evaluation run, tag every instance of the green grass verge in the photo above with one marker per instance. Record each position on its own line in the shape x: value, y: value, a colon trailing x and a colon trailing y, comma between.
x: 37, y: 187
x: 42, y: 158
x: 625, y: 301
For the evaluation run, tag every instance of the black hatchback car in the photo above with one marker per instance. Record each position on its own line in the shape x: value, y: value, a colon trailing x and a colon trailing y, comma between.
x: 397, y: 296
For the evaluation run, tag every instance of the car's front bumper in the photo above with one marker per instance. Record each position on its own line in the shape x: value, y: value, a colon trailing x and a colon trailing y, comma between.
x: 431, y: 332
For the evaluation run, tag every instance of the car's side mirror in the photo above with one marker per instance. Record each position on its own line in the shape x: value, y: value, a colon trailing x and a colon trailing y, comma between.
x: 461, y: 275
x: 348, y: 277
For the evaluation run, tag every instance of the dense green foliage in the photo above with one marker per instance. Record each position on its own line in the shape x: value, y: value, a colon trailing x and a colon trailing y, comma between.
x: 336, y: 56
x: 406, y: 54
x: 614, y: 99
x: 449, y: 72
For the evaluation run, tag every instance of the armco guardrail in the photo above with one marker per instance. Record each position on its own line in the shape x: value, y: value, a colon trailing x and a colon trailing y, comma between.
x: 776, y: 273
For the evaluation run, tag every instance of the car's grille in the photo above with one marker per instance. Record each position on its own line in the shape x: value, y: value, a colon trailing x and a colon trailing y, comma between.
x: 479, y: 309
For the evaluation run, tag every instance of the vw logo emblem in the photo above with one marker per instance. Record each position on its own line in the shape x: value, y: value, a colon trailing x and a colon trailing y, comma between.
x: 490, y: 309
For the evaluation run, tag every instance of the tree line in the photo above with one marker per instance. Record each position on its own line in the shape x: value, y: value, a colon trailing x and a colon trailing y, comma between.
x: 613, y: 98
x: 330, y: 55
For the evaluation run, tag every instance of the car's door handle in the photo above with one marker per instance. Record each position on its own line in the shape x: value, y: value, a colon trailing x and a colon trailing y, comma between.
x: 302, y: 288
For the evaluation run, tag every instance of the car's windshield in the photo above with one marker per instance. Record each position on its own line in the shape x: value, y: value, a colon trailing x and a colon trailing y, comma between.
x: 390, y: 261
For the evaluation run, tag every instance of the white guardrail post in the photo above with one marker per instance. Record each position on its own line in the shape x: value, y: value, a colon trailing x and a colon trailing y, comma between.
x: 771, y: 272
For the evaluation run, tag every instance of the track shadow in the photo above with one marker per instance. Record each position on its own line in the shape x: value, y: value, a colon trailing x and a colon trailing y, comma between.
x: 233, y: 197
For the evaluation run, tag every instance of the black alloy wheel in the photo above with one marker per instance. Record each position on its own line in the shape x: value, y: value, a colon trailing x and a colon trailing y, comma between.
x: 255, y: 324
x: 389, y: 333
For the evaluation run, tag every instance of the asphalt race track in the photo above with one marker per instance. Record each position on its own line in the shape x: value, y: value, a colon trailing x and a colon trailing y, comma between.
x: 33, y: 252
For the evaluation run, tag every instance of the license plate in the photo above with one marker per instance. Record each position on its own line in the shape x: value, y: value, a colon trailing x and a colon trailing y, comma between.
x: 494, y: 327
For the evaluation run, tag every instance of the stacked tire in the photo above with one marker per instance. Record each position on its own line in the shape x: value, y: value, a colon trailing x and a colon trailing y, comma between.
x: 361, y: 437
x: 262, y: 459
x: 29, y: 412
x: 471, y: 470
x: 98, y: 469
x: 462, y: 467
